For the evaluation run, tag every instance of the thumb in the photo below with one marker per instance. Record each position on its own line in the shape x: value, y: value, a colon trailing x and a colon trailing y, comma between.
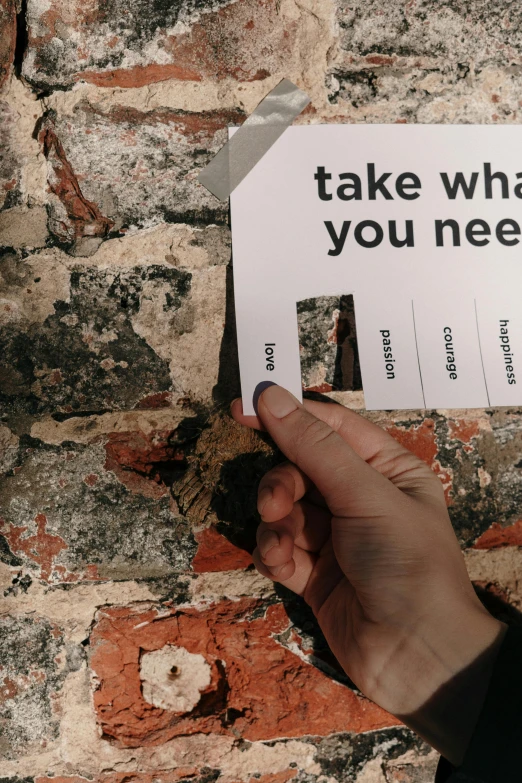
x: 349, y: 485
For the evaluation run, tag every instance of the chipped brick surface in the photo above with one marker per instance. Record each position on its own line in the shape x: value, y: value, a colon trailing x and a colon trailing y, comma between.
x: 499, y: 536
x: 217, y: 553
x: 127, y: 496
x: 7, y: 38
x: 74, y: 221
x: 261, y: 694
x: 157, y: 154
x: 32, y: 666
x: 117, y: 44
x: 67, y: 516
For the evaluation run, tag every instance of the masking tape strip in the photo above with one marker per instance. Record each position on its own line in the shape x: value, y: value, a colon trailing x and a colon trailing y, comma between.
x: 253, y: 139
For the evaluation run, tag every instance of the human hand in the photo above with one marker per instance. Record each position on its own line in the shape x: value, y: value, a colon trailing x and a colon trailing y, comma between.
x: 358, y: 526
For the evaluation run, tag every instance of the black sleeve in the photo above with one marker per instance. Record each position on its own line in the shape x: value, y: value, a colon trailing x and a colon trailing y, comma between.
x: 495, y: 751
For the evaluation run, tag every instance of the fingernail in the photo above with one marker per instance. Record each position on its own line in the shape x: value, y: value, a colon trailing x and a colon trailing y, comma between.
x: 279, y: 401
x: 267, y: 541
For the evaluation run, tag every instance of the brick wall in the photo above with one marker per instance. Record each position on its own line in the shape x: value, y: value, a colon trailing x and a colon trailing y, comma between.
x: 137, y: 644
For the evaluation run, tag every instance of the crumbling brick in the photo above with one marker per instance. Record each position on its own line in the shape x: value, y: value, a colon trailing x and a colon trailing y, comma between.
x: 252, y: 678
x: 7, y: 38
x: 117, y: 45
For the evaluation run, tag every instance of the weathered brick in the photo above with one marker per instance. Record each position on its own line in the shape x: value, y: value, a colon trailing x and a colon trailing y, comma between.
x: 116, y: 44
x: 7, y: 38
x: 476, y: 461
x: 217, y: 553
x: 33, y: 663
x: 120, y: 479
x: 427, y: 62
x: 74, y: 221
x: 67, y: 517
x: 140, y: 168
x: 168, y: 776
x: 252, y: 676
x: 499, y: 535
x: 452, y: 31
x: 10, y: 161
x: 85, y: 355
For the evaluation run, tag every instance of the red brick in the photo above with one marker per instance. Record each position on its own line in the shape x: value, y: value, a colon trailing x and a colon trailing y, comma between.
x: 7, y: 37
x: 217, y: 553
x: 466, y: 431
x: 134, y: 457
x: 11, y: 160
x: 41, y: 548
x: 421, y: 440
x: 73, y: 528
x: 499, y: 536
x: 246, y: 40
x: 259, y: 689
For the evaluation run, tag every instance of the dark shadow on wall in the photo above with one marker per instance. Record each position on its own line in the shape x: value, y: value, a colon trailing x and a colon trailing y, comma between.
x: 235, y: 504
x: 228, y: 385
x: 235, y: 497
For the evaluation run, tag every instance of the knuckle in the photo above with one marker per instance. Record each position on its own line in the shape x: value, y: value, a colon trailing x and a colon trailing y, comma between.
x: 313, y: 432
x: 280, y: 473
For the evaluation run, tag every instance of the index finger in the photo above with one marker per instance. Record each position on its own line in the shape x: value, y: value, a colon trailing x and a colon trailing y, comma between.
x: 279, y: 489
x: 345, y: 479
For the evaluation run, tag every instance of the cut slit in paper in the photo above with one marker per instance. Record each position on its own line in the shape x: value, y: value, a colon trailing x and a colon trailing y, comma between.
x: 450, y: 313
x: 328, y: 344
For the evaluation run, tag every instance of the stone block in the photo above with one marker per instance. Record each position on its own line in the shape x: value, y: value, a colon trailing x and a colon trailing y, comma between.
x: 128, y: 45
x: 427, y: 62
x: 77, y: 346
x: 120, y: 168
x: 33, y: 664
x: 94, y: 512
x: 7, y: 38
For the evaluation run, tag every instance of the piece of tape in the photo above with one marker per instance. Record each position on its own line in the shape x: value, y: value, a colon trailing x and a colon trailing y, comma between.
x: 253, y: 139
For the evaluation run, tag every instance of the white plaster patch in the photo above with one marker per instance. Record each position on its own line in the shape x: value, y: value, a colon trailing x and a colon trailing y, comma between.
x: 484, y: 478
x: 214, y: 586
x: 73, y: 610
x: 502, y: 566
x: 173, y: 678
x: 87, y: 429
x: 372, y: 772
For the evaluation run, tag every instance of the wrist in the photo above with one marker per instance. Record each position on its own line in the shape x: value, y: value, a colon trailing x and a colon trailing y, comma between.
x: 448, y: 669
